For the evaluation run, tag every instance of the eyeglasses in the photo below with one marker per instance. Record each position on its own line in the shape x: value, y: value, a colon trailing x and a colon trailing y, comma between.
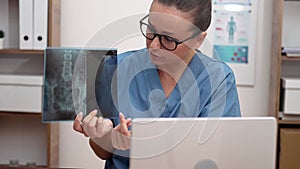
x: 166, y: 41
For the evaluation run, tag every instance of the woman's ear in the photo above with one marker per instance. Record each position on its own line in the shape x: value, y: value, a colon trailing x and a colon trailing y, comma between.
x: 199, y: 39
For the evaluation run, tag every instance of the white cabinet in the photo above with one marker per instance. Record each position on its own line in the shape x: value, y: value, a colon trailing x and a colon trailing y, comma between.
x: 23, y: 135
x: 21, y: 93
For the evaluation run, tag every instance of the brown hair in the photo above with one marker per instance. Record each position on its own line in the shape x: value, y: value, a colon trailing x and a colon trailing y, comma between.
x: 200, y: 10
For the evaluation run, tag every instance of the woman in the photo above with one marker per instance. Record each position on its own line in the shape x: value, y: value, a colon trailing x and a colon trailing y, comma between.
x: 170, y: 78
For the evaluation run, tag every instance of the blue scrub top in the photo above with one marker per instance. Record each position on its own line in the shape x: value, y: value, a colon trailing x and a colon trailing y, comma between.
x: 206, y: 89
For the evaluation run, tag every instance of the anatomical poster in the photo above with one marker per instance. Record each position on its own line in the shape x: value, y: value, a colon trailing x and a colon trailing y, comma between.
x: 231, y: 32
x: 233, y: 29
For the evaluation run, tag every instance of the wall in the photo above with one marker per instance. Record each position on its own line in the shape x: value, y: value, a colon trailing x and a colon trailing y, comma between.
x: 291, y: 35
x: 80, y: 22
x: 255, y: 100
x: 291, y: 24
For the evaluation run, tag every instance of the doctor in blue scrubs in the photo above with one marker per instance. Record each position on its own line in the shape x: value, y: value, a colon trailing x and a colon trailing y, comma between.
x: 169, y: 78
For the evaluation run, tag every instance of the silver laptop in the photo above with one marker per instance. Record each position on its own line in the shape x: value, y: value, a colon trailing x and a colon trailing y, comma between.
x: 203, y: 143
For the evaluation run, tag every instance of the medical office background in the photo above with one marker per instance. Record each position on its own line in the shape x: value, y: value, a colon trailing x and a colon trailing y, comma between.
x: 77, y: 30
x: 81, y: 20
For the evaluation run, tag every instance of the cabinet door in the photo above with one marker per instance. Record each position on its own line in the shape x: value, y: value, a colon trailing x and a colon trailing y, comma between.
x: 289, y: 148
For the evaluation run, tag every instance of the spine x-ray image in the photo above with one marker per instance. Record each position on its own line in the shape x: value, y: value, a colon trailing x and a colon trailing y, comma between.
x: 69, y: 85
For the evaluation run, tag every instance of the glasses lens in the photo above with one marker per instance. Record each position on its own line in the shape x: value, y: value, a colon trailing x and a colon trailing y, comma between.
x: 168, y: 42
x: 147, y: 31
x: 150, y: 33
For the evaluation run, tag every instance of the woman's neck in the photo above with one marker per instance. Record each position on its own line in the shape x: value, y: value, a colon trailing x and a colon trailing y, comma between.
x: 169, y: 75
x: 175, y: 69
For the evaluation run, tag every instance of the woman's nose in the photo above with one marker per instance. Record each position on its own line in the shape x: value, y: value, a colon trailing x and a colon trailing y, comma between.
x: 155, y: 44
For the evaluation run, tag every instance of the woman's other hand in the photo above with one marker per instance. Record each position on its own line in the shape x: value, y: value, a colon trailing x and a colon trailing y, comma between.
x: 120, y: 135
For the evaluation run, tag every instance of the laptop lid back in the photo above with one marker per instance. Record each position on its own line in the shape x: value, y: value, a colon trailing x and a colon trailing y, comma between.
x: 203, y: 143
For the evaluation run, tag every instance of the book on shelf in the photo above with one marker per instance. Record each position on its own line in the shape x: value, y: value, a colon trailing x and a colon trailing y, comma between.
x: 290, y: 51
x: 284, y: 116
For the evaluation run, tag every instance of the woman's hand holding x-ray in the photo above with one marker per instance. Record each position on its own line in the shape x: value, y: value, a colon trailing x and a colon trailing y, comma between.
x: 98, y: 127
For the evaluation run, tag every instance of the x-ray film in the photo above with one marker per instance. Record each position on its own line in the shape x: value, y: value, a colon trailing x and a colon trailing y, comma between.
x: 70, y: 83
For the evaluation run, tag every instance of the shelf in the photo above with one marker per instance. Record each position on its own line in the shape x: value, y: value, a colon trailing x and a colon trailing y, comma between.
x: 22, y: 166
x: 291, y: 122
x: 26, y: 167
x: 19, y: 51
x: 284, y: 33
x: 286, y: 58
x: 288, y: 119
x: 20, y: 114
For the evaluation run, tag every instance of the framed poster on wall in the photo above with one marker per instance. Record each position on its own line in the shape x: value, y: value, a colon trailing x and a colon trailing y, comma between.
x: 233, y: 37
x: 241, y: 2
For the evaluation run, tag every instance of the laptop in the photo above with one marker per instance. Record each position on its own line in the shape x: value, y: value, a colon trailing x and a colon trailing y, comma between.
x: 203, y: 143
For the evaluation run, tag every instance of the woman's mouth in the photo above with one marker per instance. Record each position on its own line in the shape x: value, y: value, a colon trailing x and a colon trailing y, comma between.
x: 155, y: 56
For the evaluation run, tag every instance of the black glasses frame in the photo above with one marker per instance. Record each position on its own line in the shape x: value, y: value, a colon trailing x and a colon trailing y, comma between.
x: 177, y: 42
